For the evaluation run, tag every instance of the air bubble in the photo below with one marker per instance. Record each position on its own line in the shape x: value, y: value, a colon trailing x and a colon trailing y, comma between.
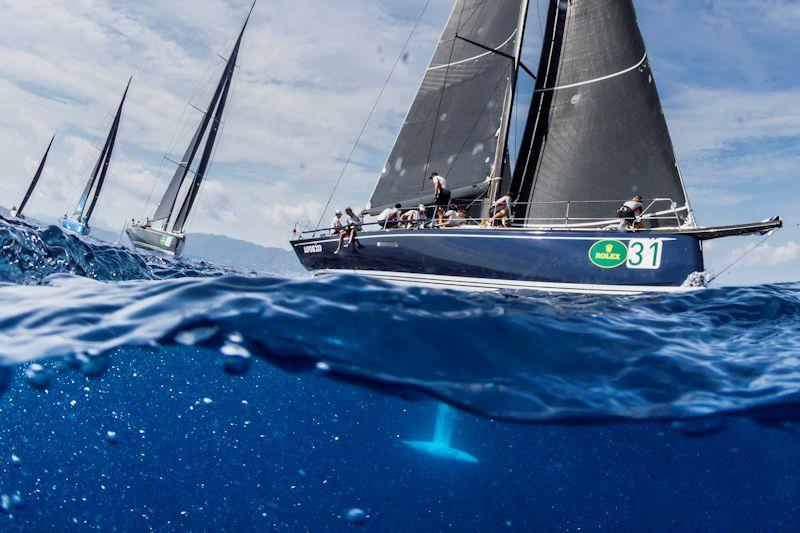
x: 39, y: 377
x: 111, y: 438
x: 355, y: 516
x: 235, y: 359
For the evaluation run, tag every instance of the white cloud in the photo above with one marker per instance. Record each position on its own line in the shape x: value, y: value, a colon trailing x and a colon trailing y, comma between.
x: 766, y: 255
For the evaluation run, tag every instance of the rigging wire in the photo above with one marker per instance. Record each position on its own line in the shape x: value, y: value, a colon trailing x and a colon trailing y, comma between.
x: 372, y: 111
x: 748, y: 252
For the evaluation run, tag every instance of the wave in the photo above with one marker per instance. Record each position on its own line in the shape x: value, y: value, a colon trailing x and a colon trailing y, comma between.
x: 518, y: 357
x: 29, y: 254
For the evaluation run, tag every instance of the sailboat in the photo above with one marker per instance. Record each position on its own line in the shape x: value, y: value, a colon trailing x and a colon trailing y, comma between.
x: 595, y: 136
x: 170, y: 236
x: 18, y: 211
x: 78, y: 221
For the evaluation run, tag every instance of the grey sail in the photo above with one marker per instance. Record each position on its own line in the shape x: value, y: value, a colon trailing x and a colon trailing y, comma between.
x: 205, y: 159
x: 94, y: 186
x: 35, y: 179
x: 209, y: 124
x: 452, y: 127
x: 596, y: 130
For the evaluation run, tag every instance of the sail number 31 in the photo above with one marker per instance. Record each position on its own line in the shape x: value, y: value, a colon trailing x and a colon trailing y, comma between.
x: 645, y: 253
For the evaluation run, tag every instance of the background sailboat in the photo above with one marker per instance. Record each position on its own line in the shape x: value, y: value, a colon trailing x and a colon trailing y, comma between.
x: 170, y: 237
x: 78, y: 220
x: 18, y: 211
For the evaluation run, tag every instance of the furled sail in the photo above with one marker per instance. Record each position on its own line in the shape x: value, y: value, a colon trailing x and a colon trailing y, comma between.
x: 35, y: 179
x: 596, y: 130
x: 83, y: 213
x: 452, y: 127
x: 209, y: 124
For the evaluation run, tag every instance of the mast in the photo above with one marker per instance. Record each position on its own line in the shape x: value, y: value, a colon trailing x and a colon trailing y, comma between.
x: 505, y: 125
x: 213, y: 116
x: 536, y: 125
x: 36, y: 177
x: 106, y: 159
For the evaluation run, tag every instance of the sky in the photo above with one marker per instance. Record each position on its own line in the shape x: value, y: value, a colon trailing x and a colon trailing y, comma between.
x: 310, y: 70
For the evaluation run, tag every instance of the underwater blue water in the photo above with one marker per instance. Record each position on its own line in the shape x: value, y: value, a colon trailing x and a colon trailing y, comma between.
x: 172, y: 396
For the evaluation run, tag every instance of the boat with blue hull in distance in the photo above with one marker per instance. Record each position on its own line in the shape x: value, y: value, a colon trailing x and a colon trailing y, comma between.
x: 595, y: 130
x: 78, y: 221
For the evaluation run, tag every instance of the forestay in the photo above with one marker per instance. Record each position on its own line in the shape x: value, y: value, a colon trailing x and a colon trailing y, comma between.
x: 453, y: 124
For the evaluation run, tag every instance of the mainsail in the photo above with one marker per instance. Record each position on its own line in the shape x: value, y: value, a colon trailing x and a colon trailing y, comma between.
x: 212, y: 118
x: 596, y: 129
x: 94, y: 186
x: 454, y: 122
x: 35, y: 179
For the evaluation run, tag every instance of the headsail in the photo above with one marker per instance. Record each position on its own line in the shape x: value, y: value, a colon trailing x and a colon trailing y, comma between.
x: 596, y: 129
x: 213, y: 118
x: 36, y: 177
x: 83, y: 212
x: 453, y: 124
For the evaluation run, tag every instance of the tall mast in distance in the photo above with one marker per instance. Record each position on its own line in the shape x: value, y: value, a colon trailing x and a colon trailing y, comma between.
x: 211, y: 117
x: 35, y: 180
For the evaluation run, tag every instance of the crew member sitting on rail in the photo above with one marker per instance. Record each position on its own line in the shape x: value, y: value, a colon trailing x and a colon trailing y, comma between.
x: 631, y: 211
x: 388, y: 218
x: 414, y: 218
x: 336, y: 224
x: 354, y: 225
x: 441, y: 194
x: 502, y: 210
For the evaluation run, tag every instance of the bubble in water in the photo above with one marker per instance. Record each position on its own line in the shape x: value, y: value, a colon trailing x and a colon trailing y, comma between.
x: 235, y: 359
x: 16, y: 460
x: 92, y: 366
x: 111, y: 438
x: 39, y: 377
x: 355, y: 516
x: 9, y: 502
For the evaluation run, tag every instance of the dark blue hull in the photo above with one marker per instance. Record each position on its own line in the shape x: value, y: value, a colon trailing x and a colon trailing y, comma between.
x: 491, y: 259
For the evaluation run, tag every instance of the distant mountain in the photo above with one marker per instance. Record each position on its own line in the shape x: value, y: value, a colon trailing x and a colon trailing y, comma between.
x: 225, y: 251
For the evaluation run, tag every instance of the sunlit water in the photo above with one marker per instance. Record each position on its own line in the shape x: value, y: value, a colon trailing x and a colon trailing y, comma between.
x: 166, y: 395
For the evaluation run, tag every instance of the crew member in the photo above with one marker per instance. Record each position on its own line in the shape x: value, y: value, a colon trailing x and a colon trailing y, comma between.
x: 414, y: 218
x: 388, y: 218
x: 502, y: 209
x: 631, y: 211
x: 354, y: 225
x: 441, y: 194
x: 336, y: 224
x: 455, y: 218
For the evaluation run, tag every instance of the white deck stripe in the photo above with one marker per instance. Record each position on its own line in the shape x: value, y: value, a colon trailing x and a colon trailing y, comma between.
x: 438, y: 67
x: 620, y: 73
x: 489, y: 285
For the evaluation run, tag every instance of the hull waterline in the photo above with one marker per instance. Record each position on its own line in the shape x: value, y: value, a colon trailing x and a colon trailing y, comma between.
x: 493, y: 259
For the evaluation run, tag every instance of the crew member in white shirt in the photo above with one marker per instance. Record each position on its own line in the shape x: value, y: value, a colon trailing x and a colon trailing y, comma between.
x: 502, y: 209
x: 336, y: 224
x: 388, y: 218
x: 354, y: 225
x: 441, y: 194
